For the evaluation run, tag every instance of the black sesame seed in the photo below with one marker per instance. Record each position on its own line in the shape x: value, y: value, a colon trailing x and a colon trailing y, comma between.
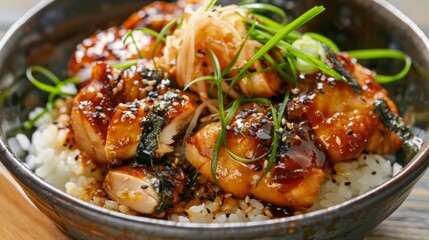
x: 349, y: 132
x: 254, y: 126
x: 208, y: 210
x: 376, y: 160
x: 258, y: 168
x: 264, y: 121
x: 334, y: 172
x: 333, y: 180
x: 347, y: 183
x: 374, y: 172
x: 251, y: 133
x: 75, y: 158
x: 144, y: 186
x: 185, y: 214
x: 227, y: 215
x: 146, y: 108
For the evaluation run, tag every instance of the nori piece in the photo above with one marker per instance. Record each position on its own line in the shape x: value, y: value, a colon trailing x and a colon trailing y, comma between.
x: 412, y: 144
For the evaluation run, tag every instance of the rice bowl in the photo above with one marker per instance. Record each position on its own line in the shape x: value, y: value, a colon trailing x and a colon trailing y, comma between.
x: 286, y: 226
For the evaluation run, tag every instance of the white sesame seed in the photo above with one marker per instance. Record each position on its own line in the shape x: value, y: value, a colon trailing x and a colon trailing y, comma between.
x: 338, y: 140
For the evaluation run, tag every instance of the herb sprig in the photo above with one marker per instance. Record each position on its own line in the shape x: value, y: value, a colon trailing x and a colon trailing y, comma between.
x: 61, y: 88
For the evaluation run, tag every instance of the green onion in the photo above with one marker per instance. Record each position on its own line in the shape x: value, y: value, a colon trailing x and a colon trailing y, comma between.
x: 124, y: 65
x: 313, y: 48
x: 307, y: 16
x: 324, y: 39
x: 130, y: 35
x: 218, y: 79
x: 385, y: 53
x: 151, y: 32
x: 273, y: 154
x: 163, y: 33
x: 53, y: 90
x: 255, y: 7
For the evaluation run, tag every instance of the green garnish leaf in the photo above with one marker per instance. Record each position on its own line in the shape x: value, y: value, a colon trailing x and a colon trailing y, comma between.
x: 60, y: 89
x: 385, y: 53
x: 255, y: 7
x: 130, y: 35
x: 324, y: 40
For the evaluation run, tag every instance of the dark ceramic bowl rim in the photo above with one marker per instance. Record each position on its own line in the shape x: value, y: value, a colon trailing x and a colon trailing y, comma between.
x: 30, y: 180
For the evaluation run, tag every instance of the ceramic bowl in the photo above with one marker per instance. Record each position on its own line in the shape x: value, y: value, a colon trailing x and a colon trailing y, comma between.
x: 47, y: 35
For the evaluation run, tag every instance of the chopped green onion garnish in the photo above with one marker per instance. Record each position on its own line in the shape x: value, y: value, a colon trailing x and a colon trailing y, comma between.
x: 385, y: 53
x: 61, y: 88
x: 255, y: 7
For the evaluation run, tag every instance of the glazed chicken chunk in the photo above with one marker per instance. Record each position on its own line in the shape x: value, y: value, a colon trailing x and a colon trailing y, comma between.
x: 109, y: 46
x: 344, y: 121
x: 293, y: 182
x: 107, y: 112
x: 124, y: 131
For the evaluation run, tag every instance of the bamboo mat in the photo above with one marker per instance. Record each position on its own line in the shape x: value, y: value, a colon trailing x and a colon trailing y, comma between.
x: 19, y: 219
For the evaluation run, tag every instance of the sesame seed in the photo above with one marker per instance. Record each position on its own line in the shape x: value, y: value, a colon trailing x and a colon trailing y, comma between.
x: 120, y: 86
x: 268, y: 213
x: 186, y: 98
x: 283, y: 121
x: 265, y: 164
x: 374, y: 172
x: 148, y: 88
x: 144, y: 186
x: 161, y: 107
x: 347, y: 183
x: 247, y: 199
x: 115, y: 91
x: 349, y: 132
x: 338, y: 140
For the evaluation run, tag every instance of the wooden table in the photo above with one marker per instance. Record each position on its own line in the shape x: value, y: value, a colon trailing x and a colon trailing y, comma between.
x: 21, y: 220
